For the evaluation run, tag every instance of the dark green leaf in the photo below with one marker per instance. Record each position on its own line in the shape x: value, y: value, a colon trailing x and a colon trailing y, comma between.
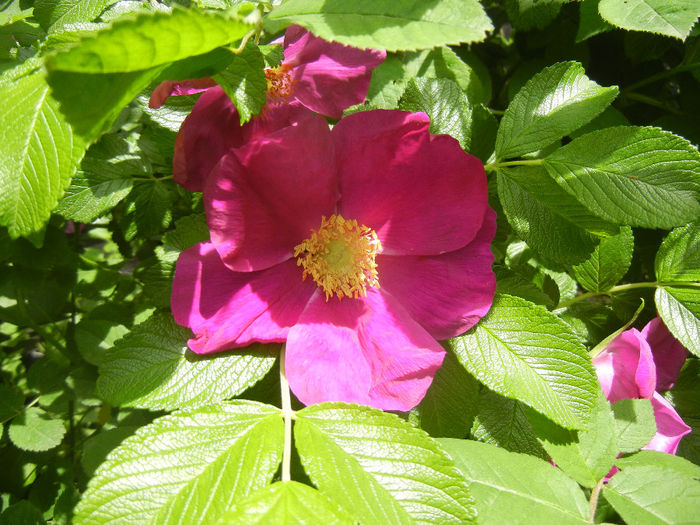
x: 684, y: 397
x: 590, y: 23
x: 149, y: 209
x: 524, y: 352
x: 608, y: 263
x: 11, y: 403
x: 152, y: 368
x: 22, y: 512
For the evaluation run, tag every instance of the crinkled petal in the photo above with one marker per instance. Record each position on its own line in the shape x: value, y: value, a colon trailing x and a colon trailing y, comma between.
x: 421, y: 193
x: 328, y: 77
x: 446, y: 294
x: 227, y: 309
x: 670, y: 428
x: 171, y: 88
x: 265, y: 197
x: 366, y: 351
x: 626, y: 367
x: 669, y: 354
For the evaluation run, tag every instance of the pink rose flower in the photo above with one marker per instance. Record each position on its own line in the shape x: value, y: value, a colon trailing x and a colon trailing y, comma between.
x: 326, y: 77
x: 359, y: 246
x: 638, y: 365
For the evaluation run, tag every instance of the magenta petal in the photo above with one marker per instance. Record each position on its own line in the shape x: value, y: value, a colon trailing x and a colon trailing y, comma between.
x: 265, y: 197
x: 171, y: 88
x: 421, y: 193
x: 669, y: 354
x: 328, y: 77
x: 366, y: 351
x: 670, y: 428
x: 446, y: 294
x: 626, y: 367
x: 227, y: 309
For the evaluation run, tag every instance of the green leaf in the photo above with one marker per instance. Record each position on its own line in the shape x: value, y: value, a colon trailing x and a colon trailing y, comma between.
x: 586, y: 456
x: 149, y: 39
x: 546, y: 217
x: 93, y: 337
x: 244, y: 82
x: 11, y: 403
x: 446, y: 105
x: 386, y: 24
x: 517, y: 488
x: 673, y: 18
x: 653, y: 495
x: 149, y: 209
x: 590, y: 22
x: 654, y: 458
x: 449, y: 406
x: 635, y: 423
x: 608, y: 263
x: 684, y: 397
x: 53, y: 14
x: 34, y: 430
x: 503, y: 422
x: 153, y: 368
x: 678, y: 258
x: 287, y: 502
x: 680, y: 310
x: 378, y: 467
x: 188, y: 467
x: 22, y: 512
x: 38, y: 153
x: 524, y: 352
x: 528, y: 14
x: 553, y: 103
x: 631, y: 175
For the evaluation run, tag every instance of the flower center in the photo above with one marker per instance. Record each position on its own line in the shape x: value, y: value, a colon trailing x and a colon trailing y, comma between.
x: 279, y: 83
x: 340, y: 257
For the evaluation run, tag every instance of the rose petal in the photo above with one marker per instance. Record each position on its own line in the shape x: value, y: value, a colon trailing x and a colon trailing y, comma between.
x: 365, y: 351
x: 670, y: 428
x: 265, y: 197
x: 227, y: 309
x: 171, y: 88
x: 328, y: 77
x: 446, y: 294
x: 669, y: 354
x: 420, y: 192
x: 626, y: 367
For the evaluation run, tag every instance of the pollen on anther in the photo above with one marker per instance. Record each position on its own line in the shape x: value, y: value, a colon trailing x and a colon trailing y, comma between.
x: 340, y: 257
x: 280, y: 85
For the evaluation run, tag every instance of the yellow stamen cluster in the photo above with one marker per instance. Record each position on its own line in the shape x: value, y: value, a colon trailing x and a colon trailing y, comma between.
x: 279, y: 83
x: 339, y: 256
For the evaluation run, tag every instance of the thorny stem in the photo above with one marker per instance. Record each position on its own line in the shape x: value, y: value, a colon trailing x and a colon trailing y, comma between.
x: 287, y: 414
x: 495, y: 165
x: 595, y: 493
x: 625, y: 287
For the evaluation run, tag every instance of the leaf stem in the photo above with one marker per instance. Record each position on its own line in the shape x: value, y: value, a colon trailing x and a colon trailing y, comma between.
x: 287, y: 414
x: 626, y: 287
x: 495, y: 165
x: 595, y: 494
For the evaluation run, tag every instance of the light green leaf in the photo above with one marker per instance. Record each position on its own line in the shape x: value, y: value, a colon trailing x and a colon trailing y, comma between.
x: 678, y: 258
x: 386, y: 24
x: 635, y: 423
x: 288, y: 503
x: 149, y: 39
x: 244, y: 82
x: 378, y: 467
x: 449, y: 406
x: 524, y: 352
x: 673, y: 18
x: 503, y: 422
x: 653, y: 495
x: 34, y: 430
x: 553, y: 103
x: 186, y: 466
x: 684, y: 397
x: 153, y: 368
x: 588, y: 455
x: 38, y: 154
x: 631, y: 175
x: 446, y: 105
x: 53, y: 14
x: 608, y: 263
x: 517, y: 488
x: 680, y: 310
x: 661, y: 460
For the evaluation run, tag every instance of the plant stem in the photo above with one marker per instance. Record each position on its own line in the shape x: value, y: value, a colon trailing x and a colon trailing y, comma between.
x: 595, y: 494
x: 495, y: 165
x: 287, y: 414
x: 683, y: 66
x: 626, y: 287
x: 650, y: 101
